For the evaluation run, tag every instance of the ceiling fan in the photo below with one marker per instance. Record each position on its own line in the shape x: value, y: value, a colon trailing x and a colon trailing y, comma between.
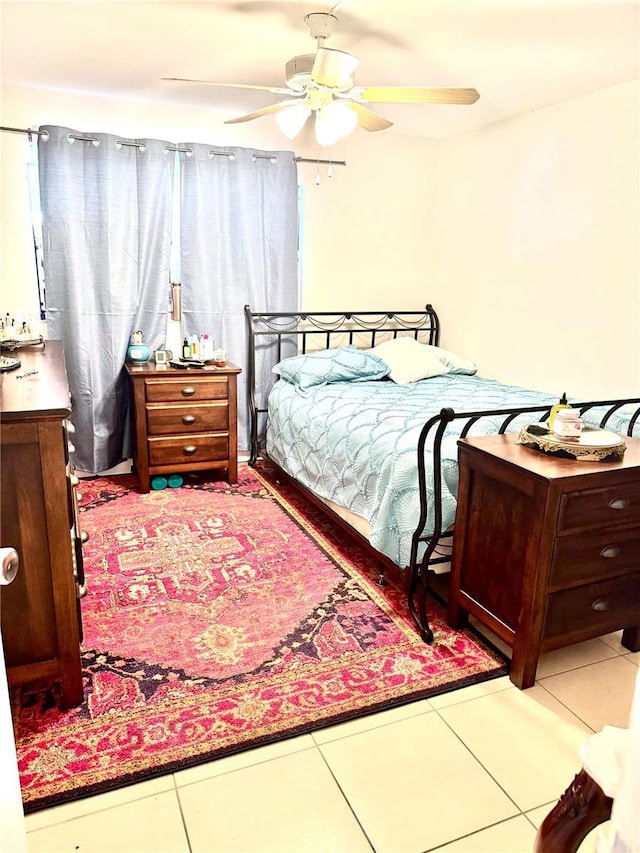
x: 323, y: 83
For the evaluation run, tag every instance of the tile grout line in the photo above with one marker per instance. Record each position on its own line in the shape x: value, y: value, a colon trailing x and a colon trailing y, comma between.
x: 345, y: 798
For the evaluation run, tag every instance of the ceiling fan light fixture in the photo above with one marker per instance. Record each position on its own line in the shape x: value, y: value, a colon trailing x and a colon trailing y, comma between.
x: 323, y: 83
x: 292, y: 120
x: 334, y: 122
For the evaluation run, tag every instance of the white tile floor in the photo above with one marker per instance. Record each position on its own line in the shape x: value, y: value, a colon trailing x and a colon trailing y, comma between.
x: 472, y: 771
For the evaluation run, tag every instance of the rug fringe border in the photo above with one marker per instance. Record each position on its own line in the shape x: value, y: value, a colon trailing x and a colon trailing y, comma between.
x: 31, y: 806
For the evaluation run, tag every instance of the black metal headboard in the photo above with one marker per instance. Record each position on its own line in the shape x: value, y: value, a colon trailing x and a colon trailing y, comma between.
x: 273, y: 336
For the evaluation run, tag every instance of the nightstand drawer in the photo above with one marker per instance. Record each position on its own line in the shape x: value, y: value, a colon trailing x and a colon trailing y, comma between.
x: 594, y: 609
x: 600, y: 507
x: 196, y: 417
x: 592, y: 556
x: 187, y: 449
x: 186, y: 388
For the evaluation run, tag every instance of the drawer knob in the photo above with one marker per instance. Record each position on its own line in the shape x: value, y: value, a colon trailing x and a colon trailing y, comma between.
x: 619, y: 503
x: 189, y: 419
x: 9, y: 565
x: 84, y: 536
x: 610, y: 551
x: 189, y: 449
x: 188, y: 391
x: 600, y: 604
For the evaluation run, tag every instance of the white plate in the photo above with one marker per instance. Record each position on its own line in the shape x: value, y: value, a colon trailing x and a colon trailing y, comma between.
x: 590, y: 437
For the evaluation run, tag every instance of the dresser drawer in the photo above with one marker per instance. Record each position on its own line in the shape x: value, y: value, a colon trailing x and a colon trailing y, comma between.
x: 195, y: 417
x: 595, y: 608
x: 586, y: 557
x: 600, y: 507
x: 189, y: 449
x: 187, y: 388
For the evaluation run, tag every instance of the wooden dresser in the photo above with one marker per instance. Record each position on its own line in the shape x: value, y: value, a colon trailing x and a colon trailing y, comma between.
x: 41, y: 623
x: 546, y: 550
x: 185, y: 420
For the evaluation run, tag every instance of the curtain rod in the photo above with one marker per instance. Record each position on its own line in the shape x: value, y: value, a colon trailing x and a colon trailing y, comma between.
x: 315, y: 160
x: 324, y: 162
x: 27, y: 130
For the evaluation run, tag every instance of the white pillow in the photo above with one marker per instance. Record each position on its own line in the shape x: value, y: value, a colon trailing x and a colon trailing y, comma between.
x: 453, y: 362
x: 409, y: 360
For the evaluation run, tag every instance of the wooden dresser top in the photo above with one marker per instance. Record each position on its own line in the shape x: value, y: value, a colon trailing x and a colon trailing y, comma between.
x: 41, y: 394
x: 505, y: 448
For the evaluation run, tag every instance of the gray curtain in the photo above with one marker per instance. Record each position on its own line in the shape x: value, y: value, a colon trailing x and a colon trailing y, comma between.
x: 106, y: 220
x: 239, y: 242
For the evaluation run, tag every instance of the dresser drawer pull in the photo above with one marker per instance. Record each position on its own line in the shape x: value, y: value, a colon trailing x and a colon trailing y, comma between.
x: 619, y: 503
x: 84, y: 536
x: 600, y: 604
x: 9, y: 563
x: 189, y: 391
x: 611, y: 551
x: 189, y: 419
x: 189, y: 449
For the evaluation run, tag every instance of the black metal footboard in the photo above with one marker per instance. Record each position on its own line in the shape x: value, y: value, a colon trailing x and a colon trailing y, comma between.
x: 431, y: 437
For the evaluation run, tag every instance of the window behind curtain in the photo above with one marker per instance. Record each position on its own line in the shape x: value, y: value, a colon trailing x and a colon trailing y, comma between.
x: 226, y: 227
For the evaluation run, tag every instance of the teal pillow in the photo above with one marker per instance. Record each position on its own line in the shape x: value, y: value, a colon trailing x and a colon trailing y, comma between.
x: 346, y: 364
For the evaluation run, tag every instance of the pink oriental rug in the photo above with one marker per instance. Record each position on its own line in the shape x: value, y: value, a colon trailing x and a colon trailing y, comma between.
x: 220, y: 618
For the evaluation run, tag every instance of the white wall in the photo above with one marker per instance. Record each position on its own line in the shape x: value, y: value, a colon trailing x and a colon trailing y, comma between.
x: 536, y: 272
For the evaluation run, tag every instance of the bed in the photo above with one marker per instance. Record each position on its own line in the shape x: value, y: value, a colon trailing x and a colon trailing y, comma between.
x: 363, y: 411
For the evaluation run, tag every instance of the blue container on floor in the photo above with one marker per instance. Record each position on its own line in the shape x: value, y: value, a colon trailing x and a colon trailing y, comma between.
x: 175, y: 481
x: 159, y: 483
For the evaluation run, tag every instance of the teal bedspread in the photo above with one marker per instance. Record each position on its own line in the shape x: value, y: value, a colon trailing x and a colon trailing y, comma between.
x: 356, y: 444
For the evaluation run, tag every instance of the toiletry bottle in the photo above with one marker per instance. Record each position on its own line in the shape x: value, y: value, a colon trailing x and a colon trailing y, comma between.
x: 561, y: 405
x: 186, y: 349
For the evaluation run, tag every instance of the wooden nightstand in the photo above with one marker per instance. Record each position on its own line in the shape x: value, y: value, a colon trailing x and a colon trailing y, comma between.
x: 546, y: 551
x: 185, y: 420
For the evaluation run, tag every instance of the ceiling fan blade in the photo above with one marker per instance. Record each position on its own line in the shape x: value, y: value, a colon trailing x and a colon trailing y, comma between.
x: 367, y: 119
x: 333, y: 68
x: 274, y: 89
x: 414, y: 95
x: 265, y: 111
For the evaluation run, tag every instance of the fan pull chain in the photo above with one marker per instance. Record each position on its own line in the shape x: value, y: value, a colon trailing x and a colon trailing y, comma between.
x: 318, y: 161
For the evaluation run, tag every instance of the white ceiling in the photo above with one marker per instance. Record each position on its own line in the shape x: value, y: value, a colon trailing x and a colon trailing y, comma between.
x: 520, y: 55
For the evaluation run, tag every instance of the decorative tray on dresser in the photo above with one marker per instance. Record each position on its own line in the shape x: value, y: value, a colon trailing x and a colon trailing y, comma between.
x: 41, y: 623
x: 546, y: 550
x: 184, y: 420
